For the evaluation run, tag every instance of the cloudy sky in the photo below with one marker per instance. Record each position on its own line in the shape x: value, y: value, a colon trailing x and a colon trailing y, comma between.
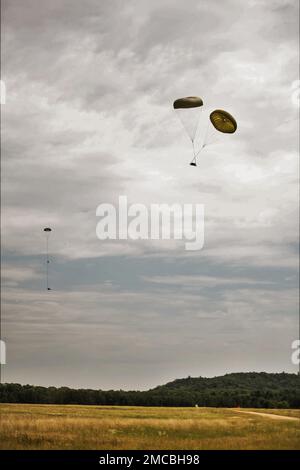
x: 88, y: 117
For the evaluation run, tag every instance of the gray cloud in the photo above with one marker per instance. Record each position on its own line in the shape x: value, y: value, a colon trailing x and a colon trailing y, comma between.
x: 88, y: 117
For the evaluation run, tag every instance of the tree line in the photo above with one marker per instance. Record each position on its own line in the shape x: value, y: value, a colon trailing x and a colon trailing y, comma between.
x: 249, y: 390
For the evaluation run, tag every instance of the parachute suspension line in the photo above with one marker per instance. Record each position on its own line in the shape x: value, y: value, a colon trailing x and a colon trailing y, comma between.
x: 190, y: 132
x: 195, y: 153
x: 205, y: 137
x: 204, y: 144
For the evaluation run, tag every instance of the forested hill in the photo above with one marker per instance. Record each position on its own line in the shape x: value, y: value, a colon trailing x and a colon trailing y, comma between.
x: 247, y: 381
x: 249, y: 390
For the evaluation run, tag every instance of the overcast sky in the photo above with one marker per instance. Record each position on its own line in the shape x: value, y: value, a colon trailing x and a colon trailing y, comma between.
x: 88, y: 117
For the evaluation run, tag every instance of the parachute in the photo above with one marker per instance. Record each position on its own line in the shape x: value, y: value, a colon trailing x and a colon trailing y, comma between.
x: 47, y: 231
x: 188, y: 111
x: 188, y: 102
x: 223, y: 121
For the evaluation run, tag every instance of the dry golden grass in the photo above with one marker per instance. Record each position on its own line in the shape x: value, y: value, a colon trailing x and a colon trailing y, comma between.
x: 103, y: 427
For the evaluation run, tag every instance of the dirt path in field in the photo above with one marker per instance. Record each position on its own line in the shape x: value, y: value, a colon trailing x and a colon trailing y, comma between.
x: 268, y: 415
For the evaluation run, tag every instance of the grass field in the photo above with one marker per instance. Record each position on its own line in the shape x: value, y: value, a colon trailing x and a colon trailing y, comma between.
x: 104, y: 427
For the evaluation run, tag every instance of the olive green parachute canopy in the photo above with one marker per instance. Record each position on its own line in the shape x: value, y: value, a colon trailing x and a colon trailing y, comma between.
x: 188, y: 102
x: 223, y: 121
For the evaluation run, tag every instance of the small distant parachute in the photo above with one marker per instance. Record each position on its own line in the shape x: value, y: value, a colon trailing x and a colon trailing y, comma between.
x: 223, y: 121
x: 47, y: 230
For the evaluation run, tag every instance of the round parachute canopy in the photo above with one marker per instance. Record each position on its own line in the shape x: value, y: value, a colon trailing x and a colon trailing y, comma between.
x: 47, y: 229
x: 188, y: 102
x: 223, y: 121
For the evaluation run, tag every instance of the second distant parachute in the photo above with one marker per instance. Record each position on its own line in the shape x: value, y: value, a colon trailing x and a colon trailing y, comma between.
x: 47, y: 231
